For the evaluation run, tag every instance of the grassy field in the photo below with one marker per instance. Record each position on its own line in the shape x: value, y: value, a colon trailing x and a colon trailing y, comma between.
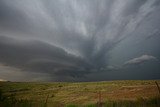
x: 82, y: 94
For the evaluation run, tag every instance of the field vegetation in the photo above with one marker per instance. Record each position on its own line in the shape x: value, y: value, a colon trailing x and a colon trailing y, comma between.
x: 129, y: 93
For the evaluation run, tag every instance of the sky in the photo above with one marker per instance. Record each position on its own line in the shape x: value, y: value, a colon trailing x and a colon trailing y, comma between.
x: 79, y: 40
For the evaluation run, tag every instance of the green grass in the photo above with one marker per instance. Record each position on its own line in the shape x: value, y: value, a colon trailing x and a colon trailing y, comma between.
x: 140, y: 102
x: 11, y: 101
x: 83, y: 94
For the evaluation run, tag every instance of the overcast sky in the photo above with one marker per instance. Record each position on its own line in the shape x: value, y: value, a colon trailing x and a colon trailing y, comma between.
x: 79, y: 40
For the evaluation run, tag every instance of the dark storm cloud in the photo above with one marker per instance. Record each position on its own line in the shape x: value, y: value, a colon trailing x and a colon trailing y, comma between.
x: 41, y: 57
x: 12, y: 18
x: 155, y: 33
x: 68, y: 38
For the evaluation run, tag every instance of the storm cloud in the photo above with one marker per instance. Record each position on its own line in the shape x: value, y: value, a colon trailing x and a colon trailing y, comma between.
x: 141, y: 59
x: 70, y: 40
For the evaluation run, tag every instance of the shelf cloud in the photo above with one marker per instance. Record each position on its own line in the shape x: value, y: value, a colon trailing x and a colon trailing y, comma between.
x: 71, y: 39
